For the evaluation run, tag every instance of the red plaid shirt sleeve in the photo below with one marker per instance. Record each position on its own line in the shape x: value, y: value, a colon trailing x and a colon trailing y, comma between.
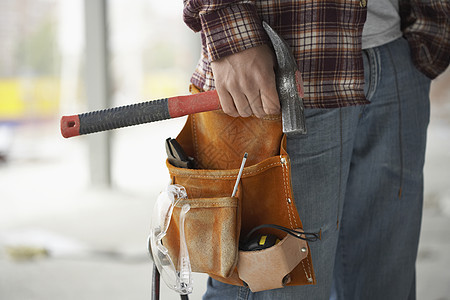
x: 426, y: 26
x: 227, y: 26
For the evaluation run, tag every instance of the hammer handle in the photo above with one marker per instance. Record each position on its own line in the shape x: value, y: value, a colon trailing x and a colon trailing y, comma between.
x: 139, y: 113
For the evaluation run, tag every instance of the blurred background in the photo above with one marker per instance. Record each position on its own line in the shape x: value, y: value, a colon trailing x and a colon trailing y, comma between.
x: 75, y: 213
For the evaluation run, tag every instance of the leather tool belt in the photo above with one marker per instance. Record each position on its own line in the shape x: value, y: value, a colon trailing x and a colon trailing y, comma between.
x: 216, y: 220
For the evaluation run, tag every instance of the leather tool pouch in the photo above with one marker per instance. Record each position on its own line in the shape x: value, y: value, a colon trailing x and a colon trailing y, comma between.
x: 216, y: 221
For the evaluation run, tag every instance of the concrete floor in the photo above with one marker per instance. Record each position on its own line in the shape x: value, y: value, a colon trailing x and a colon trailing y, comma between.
x: 96, y: 238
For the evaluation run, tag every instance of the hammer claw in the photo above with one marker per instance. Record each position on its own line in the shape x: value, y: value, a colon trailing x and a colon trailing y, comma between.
x: 289, y: 87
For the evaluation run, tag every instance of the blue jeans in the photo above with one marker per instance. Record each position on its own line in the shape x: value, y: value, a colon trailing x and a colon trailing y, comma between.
x: 358, y: 176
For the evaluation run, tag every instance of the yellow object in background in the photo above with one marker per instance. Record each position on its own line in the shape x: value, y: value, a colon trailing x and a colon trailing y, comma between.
x: 28, y: 98
x: 11, y: 104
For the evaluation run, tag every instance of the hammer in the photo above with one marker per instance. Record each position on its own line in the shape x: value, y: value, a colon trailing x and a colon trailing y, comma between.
x: 288, y: 86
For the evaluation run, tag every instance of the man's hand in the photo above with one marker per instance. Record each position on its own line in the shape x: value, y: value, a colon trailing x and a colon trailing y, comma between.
x: 245, y: 83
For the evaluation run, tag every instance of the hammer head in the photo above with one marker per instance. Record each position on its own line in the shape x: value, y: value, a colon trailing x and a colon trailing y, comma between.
x: 288, y: 84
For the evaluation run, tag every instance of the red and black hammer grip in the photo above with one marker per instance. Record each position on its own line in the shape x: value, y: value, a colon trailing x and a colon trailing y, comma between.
x: 139, y: 113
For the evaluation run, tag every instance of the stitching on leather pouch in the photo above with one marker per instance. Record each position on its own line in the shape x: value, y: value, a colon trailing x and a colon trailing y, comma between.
x: 309, y: 268
x: 224, y: 176
x: 295, y: 219
x: 292, y: 212
x: 208, y: 204
x: 194, y: 129
x: 219, y: 204
x: 285, y: 194
x: 285, y: 186
x: 304, y: 270
x: 291, y: 196
x: 286, y: 191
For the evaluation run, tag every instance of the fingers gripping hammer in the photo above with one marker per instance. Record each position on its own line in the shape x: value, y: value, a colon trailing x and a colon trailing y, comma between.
x: 289, y: 89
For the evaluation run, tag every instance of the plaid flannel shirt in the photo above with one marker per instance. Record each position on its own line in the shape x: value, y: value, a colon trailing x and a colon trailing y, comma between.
x: 324, y: 35
x: 426, y: 26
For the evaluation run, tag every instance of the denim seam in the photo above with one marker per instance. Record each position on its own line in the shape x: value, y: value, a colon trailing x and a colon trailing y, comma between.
x: 375, y: 70
x: 372, y: 58
x: 340, y: 183
x: 339, y: 287
x: 243, y: 293
x: 400, y: 129
x: 369, y: 83
x: 340, y: 168
x: 364, y: 107
x: 344, y: 263
x: 372, y: 81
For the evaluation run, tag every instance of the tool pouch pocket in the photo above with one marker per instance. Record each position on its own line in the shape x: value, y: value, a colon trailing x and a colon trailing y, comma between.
x: 212, y: 234
x: 217, y: 142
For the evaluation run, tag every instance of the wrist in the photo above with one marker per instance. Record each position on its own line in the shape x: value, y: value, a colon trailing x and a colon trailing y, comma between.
x: 232, y: 29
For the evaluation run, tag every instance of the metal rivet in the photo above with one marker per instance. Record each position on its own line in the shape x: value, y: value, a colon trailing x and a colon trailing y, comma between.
x: 289, y: 200
x: 310, y: 279
x: 304, y: 249
x: 283, y: 160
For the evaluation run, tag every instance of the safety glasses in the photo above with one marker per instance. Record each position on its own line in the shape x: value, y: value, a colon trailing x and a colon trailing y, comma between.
x: 178, y: 279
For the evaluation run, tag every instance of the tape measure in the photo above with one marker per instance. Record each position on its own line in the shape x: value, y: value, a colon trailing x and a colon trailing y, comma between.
x: 260, y: 242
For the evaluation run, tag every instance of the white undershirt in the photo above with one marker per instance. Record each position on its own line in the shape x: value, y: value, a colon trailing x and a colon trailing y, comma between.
x: 383, y: 23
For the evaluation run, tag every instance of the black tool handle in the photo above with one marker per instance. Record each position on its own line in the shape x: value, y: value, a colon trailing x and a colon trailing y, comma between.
x: 140, y: 113
x: 124, y: 116
x: 155, y: 283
